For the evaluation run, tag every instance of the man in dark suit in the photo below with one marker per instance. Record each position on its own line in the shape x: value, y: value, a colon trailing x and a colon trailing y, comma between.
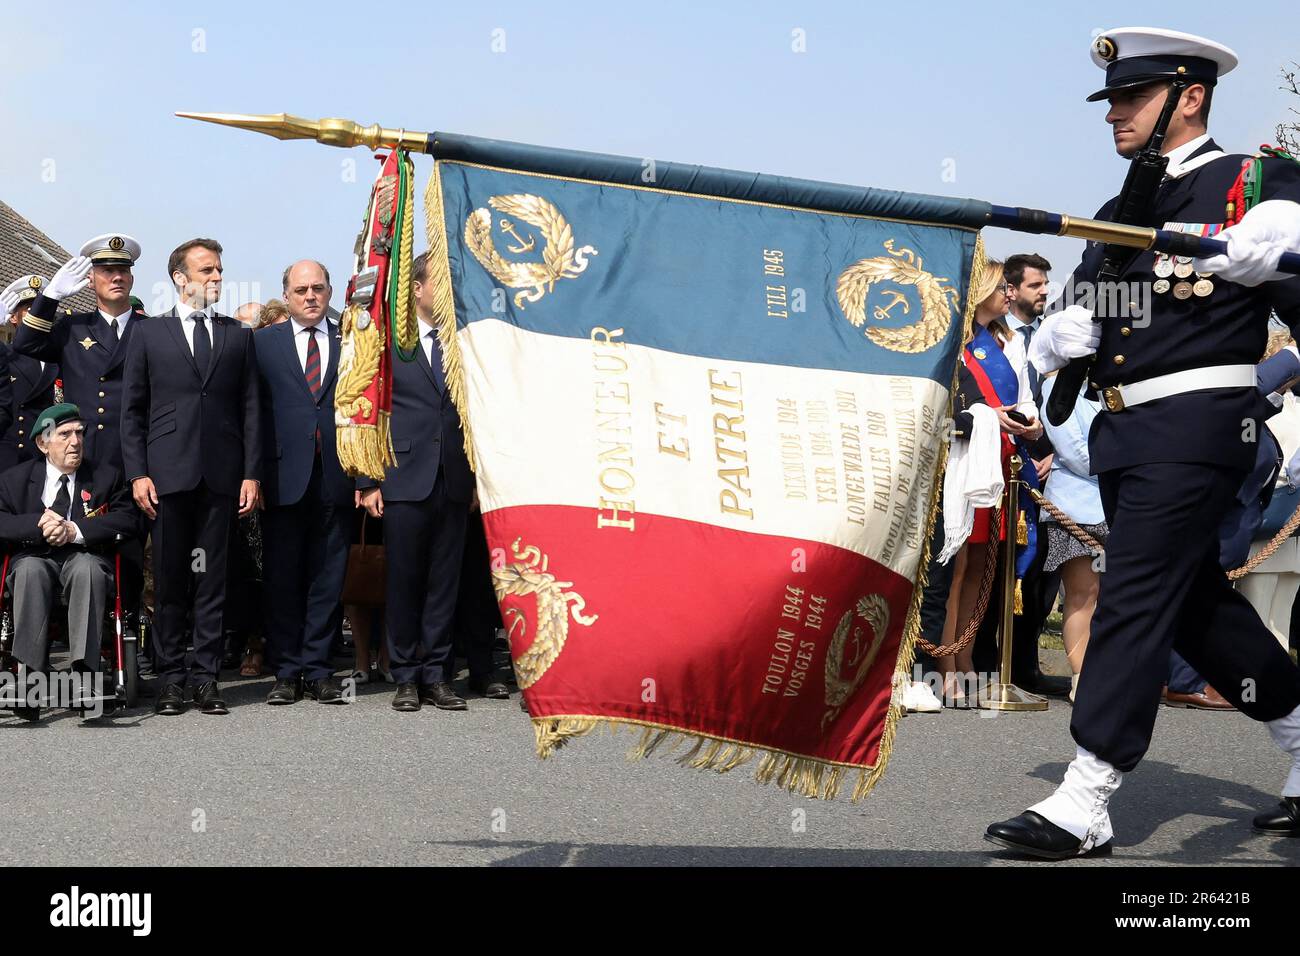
x: 192, y: 448
x: 424, y: 502
x: 89, y: 347
x: 26, y: 384
x: 61, y: 515
x: 308, y: 497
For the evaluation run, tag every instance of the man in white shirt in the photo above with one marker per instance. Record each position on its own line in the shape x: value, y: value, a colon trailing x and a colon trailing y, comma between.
x: 65, y: 515
x: 309, y: 499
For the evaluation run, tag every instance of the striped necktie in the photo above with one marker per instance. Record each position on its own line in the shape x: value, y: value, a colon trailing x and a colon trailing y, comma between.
x: 312, y: 370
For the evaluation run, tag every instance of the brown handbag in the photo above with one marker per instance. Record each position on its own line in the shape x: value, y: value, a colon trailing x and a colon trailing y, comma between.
x: 364, y: 582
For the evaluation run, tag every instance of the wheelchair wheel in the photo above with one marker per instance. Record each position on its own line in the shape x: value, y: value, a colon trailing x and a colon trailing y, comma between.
x: 130, y: 667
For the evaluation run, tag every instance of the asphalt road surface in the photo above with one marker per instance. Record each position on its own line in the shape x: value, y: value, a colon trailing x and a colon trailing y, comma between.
x: 364, y: 785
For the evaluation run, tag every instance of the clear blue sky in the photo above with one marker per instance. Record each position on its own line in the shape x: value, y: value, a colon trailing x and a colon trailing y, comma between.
x: 884, y: 95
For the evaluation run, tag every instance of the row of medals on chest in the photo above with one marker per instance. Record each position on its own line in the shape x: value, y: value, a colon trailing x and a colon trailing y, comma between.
x: 1180, y: 269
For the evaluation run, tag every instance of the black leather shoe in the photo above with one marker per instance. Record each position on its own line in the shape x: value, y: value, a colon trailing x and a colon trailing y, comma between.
x: 407, y: 698
x: 29, y: 714
x: 286, y: 691
x: 489, y: 688
x: 208, y: 697
x: 1035, y: 835
x: 327, y: 690
x: 171, y: 702
x: 1283, y: 822
x: 442, y: 696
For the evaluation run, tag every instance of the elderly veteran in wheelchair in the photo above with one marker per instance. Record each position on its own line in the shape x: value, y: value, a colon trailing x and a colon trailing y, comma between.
x: 61, y: 518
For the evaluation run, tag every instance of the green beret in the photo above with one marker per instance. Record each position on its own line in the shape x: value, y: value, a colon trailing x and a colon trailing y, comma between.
x: 54, y: 416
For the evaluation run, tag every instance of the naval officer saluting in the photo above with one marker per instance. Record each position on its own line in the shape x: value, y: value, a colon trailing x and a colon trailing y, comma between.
x: 90, y: 347
x: 1174, y: 443
x: 26, y: 384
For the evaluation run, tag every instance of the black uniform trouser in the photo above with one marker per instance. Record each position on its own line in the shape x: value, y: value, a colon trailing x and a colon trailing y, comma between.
x: 424, y: 543
x: 477, y: 613
x: 305, y: 558
x: 1162, y: 586
x: 191, y: 536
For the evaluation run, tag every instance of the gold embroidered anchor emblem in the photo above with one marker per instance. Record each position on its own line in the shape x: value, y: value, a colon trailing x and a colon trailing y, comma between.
x: 524, y: 246
x: 882, y: 312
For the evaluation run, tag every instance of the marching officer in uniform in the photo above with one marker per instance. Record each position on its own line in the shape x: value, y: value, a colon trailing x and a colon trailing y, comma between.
x: 1177, y: 437
x: 90, y: 347
x: 26, y: 384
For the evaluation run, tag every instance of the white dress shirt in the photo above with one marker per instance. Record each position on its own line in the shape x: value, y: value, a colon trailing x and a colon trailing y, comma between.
x: 52, y: 476
x: 427, y: 334
x: 301, y: 337
x: 1179, y: 162
x: 122, y: 319
x: 187, y: 322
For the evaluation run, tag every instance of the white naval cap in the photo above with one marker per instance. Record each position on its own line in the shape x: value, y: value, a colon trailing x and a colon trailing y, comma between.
x: 26, y: 288
x: 1135, y: 56
x: 112, y: 248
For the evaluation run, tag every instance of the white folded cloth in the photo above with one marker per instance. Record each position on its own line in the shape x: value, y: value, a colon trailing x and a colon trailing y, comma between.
x: 973, y: 479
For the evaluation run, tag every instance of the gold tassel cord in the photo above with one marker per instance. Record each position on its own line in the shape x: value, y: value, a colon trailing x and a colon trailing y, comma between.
x: 444, y: 306
x: 406, y: 334
x: 1022, y: 529
x: 1018, y: 607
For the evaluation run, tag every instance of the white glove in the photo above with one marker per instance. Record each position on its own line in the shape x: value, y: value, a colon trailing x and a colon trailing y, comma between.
x: 1069, y: 334
x: 72, y: 277
x: 1256, y: 244
x: 1292, y: 471
x: 8, y: 302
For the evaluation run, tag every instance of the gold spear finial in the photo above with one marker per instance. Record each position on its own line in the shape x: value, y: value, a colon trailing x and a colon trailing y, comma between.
x: 331, y: 132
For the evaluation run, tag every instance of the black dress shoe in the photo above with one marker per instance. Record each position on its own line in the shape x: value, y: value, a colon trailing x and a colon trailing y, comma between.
x: 208, y: 697
x: 407, y: 698
x: 327, y: 690
x: 287, y: 690
x: 1035, y: 835
x: 171, y: 702
x: 442, y: 696
x: 29, y: 714
x: 1284, y: 821
x: 489, y: 688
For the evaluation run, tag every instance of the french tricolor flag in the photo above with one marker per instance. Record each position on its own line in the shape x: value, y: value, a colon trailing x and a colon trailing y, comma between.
x: 707, y: 411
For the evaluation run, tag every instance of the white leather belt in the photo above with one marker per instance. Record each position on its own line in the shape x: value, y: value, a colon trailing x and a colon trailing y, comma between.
x: 1116, y: 398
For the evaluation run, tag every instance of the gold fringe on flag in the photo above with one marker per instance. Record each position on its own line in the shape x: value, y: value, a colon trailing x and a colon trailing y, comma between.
x: 444, y: 305
x: 363, y: 448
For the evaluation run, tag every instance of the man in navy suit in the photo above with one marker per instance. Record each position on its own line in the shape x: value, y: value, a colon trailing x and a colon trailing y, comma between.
x: 309, y: 500
x: 424, y: 502
x: 192, y: 449
x: 89, y: 347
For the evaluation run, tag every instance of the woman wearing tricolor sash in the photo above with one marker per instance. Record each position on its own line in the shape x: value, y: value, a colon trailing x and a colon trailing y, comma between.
x: 1002, y: 417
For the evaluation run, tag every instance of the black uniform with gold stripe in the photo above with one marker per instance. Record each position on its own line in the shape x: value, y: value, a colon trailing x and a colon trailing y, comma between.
x: 32, y: 389
x: 90, y: 357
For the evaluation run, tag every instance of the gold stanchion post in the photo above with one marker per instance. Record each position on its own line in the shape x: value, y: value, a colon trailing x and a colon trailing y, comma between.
x: 1005, y: 695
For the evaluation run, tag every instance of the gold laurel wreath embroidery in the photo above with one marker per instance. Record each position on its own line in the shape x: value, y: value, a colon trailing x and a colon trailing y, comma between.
x: 560, y: 258
x: 873, y: 609
x: 358, y: 365
x: 937, y: 299
x: 529, y: 575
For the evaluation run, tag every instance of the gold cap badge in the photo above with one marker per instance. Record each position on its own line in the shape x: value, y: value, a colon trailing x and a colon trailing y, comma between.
x: 34, y: 282
x: 1106, y: 48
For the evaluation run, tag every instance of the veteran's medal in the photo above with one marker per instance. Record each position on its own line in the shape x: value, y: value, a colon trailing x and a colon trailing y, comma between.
x: 1164, y: 268
x: 1203, y: 287
x: 1183, y: 270
x: 1183, y: 290
x: 1160, y: 286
